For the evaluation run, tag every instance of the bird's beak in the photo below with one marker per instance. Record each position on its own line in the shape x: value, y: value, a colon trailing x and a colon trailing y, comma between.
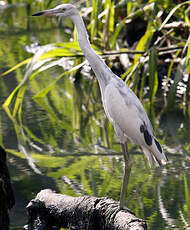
x: 46, y: 12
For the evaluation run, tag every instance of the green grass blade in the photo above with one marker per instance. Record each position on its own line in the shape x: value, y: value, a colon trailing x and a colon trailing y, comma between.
x: 58, y: 52
x: 47, y: 89
x: 144, y: 42
x: 178, y: 76
x: 11, y: 96
x: 19, y: 99
x: 187, y: 56
x: 94, y: 17
x: 111, y: 18
x: 170, y: 72
x: 116, y: 33
x: 141, y: 11
x: 16, y: 67
x: 29, y: 68
x: 171, y: 13
x: 153, y: 74
x: 188, y: 90
x: 69, y: 45
x: 187, y: 194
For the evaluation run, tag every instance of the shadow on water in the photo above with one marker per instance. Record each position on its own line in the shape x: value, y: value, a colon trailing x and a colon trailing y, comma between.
x: 63, y: 141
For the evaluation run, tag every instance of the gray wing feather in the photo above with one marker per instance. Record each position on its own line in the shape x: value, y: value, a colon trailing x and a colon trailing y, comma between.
x: 137, y: 127
x: 131, y: 99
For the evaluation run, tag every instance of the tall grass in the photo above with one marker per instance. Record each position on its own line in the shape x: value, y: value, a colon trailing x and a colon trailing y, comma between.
x: 106, y: 22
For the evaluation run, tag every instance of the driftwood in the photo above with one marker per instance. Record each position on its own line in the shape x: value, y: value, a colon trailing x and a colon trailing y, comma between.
x: 50, y: 210
x: 7, y: 199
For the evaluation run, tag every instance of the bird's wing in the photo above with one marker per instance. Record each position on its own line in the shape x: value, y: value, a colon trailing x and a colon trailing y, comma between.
x: 131, y: 100
x: 124, y: 113
x: 127, y: 114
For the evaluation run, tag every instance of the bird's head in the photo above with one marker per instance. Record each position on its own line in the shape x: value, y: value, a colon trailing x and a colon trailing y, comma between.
x: 64, y: 10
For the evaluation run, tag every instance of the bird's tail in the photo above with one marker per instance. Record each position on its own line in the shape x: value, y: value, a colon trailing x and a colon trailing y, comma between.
x: 154, y: 153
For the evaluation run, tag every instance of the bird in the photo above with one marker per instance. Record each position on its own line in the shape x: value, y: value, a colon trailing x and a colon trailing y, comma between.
x: 122, y: 107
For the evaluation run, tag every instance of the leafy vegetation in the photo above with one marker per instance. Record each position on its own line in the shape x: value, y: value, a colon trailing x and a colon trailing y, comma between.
x: 165, y: 41
x: 62, y: 135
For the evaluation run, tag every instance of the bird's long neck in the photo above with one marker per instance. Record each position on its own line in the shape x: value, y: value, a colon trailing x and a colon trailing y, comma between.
x: 96, y: 62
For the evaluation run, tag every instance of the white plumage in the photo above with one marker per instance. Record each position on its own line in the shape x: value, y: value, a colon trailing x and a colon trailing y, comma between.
x: 122, y: 107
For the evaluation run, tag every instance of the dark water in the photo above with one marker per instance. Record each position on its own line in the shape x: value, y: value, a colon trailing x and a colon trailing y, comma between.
x: 63, y: 141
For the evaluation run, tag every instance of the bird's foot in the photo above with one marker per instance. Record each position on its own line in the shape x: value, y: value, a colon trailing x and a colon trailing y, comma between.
x: 124, y: 208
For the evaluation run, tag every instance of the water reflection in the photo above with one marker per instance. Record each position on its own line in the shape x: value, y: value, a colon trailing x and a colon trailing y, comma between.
x: 69, y: 162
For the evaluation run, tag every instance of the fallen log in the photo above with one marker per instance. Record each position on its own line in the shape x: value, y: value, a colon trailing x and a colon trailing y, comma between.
x: 7, y: 199
x: 50, y: 210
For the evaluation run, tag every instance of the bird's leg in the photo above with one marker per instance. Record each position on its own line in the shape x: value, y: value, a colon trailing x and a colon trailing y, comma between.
x: 126, y: 175
x: 114, y: 208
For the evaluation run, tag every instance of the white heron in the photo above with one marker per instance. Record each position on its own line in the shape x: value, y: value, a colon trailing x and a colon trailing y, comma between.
x: 121, y: 105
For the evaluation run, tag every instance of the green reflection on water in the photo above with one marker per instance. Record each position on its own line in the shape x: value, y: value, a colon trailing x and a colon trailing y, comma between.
x: 65, y: 143
x: 68, y: 145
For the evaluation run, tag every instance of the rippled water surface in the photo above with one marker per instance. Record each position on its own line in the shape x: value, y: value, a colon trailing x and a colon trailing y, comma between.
x: 63, y: 141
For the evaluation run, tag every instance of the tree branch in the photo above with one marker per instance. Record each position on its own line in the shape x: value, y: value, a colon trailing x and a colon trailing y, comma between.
x: 50, y: 210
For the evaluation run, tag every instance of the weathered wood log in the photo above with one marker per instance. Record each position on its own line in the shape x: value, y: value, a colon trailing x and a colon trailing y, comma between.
x: 50, y: 210
x: 7, y: 199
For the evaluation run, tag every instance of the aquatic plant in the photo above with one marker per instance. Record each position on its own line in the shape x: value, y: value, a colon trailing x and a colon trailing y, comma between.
x: 159, y: 61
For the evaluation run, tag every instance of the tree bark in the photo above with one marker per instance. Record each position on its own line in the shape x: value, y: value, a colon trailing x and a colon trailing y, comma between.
x: 50, y: 210
x: 7, y: 199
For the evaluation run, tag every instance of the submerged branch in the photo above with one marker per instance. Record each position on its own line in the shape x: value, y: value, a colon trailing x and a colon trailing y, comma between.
x: 50, y: 210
